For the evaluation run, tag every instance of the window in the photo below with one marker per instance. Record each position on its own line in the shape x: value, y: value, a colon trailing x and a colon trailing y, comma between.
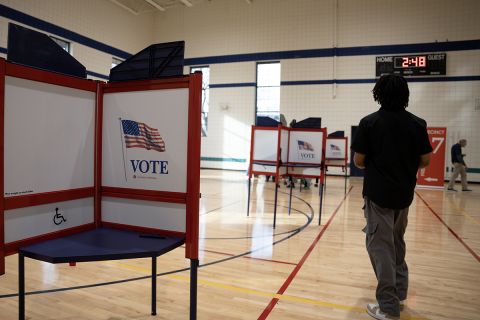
x: 116, y: 62
x: 205, y: 95
x: 268, y: 90
x: 62, y: 43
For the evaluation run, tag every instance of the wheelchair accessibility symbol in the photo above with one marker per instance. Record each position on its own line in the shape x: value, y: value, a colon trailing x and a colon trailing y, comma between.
x: 58, y: 218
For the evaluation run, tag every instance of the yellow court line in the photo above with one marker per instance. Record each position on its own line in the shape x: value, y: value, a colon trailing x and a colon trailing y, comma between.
x: 464, y: 213
x: 260, y: 293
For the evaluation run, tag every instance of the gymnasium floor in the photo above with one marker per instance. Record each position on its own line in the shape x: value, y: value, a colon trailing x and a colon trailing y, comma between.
x: 298, y: 271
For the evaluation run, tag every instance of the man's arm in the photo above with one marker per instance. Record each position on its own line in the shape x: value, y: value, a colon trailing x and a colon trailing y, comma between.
x: 424, y: 160
x: 359, y: 160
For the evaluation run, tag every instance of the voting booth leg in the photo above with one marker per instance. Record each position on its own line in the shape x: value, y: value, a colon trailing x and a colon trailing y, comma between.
x: 346, y: 177
x: 290, y: 200
x: 248, y: 196
x: 21, y: 287
x: 321, y: 203
x: 193, y: 288
x: 275, y: 207
x: 325, y: 180
x: 154, y: 285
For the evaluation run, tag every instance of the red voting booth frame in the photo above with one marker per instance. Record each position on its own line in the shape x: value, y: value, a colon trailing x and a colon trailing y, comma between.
x: 190, y: 198
x: 290, y: 166
x: 433, y: 176
x: 338, y: 162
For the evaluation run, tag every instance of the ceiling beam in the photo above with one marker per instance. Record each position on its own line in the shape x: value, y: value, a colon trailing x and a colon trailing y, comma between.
x: 125, y: 7
x: 187, y: 3
x: 156, y: 5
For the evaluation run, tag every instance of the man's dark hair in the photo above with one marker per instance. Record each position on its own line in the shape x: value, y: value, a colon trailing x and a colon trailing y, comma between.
x: 391, y: 91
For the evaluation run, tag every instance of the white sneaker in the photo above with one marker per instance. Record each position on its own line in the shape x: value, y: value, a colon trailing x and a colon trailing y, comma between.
x: 373, y: 309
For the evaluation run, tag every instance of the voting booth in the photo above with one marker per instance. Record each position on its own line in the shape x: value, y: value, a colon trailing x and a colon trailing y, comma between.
x: 287, y: 152
x: 336, y: 156
x: 98, y: 171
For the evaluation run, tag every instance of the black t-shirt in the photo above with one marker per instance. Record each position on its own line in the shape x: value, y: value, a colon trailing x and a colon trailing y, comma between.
x: 392, y: 142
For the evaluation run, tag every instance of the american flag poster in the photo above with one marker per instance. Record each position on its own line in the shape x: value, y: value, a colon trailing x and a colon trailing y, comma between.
x: 304, y: 145
x: 139, y: 135
x: 335, y: 148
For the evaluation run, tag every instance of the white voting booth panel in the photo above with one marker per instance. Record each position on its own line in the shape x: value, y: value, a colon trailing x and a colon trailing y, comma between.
x: 49, y: 137
x: 265, y: 145
x: 29, y: 222
x: 336, y: 149
x: 150, y: 150
x: 139, y: 168
x: 305, y: 147
x: 48, y: 163
x: 147, y: 214
x: 264, y: 150
x: 136, y: 167
x: 336, y: 155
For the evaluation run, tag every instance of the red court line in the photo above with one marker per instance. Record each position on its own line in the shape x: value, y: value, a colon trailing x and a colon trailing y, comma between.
x: 270, y: 260
x: 292, y: 275
x: 473, y: 253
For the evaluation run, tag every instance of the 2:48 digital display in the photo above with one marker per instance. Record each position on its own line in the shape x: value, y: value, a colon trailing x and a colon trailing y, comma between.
x: 410, y: 62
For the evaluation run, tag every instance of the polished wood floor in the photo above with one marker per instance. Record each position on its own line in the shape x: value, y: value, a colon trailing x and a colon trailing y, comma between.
x: 298, y: 271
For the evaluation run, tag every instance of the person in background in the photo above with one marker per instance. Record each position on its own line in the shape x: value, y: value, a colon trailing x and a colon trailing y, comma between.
x: 459, y: 166
x: 391, y: 145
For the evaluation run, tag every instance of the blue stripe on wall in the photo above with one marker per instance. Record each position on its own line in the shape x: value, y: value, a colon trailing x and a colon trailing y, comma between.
x: 347, y: 51
x: 261, y: 56
x: 233, y: 85
x: 373, y: 80
x: 29, y: 20
x: 410, y: 48
x: 45, y: 26
x: 311, y: 82
x: 98, y: 75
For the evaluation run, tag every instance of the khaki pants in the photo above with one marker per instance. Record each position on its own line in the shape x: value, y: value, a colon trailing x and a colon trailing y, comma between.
x: 386, y: 248
x: 459, y: 169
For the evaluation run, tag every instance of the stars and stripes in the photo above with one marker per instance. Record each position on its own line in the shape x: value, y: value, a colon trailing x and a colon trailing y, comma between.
x: 334, y: 147
x: 304, y: 145
x: 139, y: 135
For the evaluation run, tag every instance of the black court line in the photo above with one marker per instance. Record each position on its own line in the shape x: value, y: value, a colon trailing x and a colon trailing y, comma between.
x: 221, y: 207
x: 310, y: 218
x: 274, y: 234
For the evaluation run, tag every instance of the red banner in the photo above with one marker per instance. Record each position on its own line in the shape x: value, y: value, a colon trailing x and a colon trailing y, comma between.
x: 434, y: 174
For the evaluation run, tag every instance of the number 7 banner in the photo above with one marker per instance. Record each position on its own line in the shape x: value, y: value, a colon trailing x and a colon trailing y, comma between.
x: 433, y: 176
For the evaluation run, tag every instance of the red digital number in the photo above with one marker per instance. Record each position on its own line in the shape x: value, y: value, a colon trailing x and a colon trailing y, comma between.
x: 405, y: 62
x: 422, y: 61
x: 415, y: 61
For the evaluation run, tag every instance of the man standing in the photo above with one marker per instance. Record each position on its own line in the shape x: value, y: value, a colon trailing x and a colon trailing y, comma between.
x: 459, y: 166
x: 391, y: 145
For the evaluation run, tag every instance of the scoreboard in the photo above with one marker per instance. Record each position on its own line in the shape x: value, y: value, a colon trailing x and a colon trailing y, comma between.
x: 412, y: 65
